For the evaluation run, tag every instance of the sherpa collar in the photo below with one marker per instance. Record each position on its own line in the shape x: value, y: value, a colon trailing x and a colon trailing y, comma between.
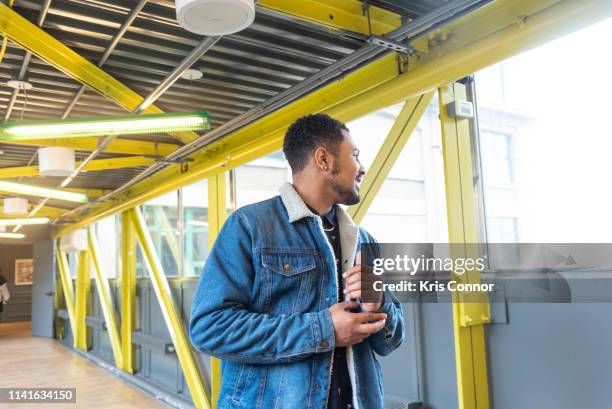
x: 349, y: 231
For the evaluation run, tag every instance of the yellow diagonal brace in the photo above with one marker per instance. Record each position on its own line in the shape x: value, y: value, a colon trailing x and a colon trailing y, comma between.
x: 48, y: 49
x: 170, y: 313
x: 468, y: 318
x: 405, y: 123
x: 98, y: 164
x: 105, y: 296
x: 67, y: 288
x: 128, y: 291
x: 119, y: 146
x: 83, y: 283
x: 340, y: 14
x: 217, y: 213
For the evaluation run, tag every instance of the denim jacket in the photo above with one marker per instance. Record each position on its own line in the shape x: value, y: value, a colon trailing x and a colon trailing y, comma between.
x: 262, y: 307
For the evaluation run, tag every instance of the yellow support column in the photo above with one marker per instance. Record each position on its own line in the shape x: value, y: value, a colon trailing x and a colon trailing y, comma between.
x: 405, y: 123
x: 468, y: 317
x: 67, y: 289
x: 83, y: 286
x: 170, y: 313
x: 128, y: 291
x: 217, y: 213
x: 104, y: 294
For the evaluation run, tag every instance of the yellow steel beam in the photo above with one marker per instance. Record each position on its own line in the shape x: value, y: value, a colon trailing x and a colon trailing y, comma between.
x: 98, y: 164
x: 405, y: 123
x: 50, y: 50
x: 119, y: 146
x: 58, y: 296
x: 128, y: 291
x: 217, y: 213
x: 67, y: 288
x: 372, y: 87
x: 456, y: 57
x: 338, y: 14
x: 105, y: 296
x: 83, y: 284
x: 170, y: 313
x: 91, y: 193
x: 468, y: 317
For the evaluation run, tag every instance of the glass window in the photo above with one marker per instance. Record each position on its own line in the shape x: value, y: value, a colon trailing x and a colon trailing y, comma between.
x: 410, y: 206
x: 108, y: 234
x: 161, y: 218
x: 195, y: 216
x: 544, y: 152
x: 260, y: 179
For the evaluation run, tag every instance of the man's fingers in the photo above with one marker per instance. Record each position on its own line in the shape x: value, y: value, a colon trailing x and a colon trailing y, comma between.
x: 348, y: 305
x: 353, y: 287
x: 351, y: 272
x: 358, y: 258
x: 371, y: 328
x: 370, y: 316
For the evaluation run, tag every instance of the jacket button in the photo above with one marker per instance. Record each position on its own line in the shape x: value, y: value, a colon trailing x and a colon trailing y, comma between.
x: 324, y: 344
x: 317, y: 386
x: 287, y: 267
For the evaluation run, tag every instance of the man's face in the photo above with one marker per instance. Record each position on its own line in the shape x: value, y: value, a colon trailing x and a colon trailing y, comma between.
x: 347, y: 171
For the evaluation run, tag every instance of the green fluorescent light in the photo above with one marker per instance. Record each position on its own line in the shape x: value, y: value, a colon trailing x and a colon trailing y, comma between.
x: 105, y: 126
x: 12, y: 235
x: 28, y: 221
x: 30, y: 190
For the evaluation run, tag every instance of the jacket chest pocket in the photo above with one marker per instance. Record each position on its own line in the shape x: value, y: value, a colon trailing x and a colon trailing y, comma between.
x: 288, y: 278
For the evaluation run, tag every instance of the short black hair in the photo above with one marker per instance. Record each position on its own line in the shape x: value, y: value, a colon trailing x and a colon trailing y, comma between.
x: 307, y: 134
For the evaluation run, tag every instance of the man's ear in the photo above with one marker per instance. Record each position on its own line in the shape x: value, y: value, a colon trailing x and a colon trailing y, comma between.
x: 321, y: 158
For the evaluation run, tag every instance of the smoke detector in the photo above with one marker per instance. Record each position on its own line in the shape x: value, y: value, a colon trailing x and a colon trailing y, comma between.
x: 215, y: 17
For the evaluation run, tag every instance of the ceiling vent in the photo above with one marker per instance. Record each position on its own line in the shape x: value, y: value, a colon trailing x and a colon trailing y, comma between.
x: 15, y: 205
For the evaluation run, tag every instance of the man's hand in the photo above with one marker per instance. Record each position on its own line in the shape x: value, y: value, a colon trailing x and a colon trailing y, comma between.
x: 352, y: 328
x: 358, y: 284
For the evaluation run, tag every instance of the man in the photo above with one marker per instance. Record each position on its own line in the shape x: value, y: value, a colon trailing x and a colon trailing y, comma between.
x: 5, y: 295
x: 269, y: 299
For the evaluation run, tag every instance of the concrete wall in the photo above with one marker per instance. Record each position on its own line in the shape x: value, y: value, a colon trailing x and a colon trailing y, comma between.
x: 20, y: 305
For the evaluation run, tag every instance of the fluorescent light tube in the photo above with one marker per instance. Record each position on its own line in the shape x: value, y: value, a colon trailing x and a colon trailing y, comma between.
x: 24, y: 221
x: 30, y: 190
x: 125, y: 125
x: 12, y: 235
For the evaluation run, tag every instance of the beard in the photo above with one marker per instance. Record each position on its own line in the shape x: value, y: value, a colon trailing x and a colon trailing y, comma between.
x: 346, y: 195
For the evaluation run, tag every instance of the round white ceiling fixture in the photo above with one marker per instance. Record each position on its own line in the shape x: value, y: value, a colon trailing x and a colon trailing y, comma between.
x: 15, y: 205
x: 215, y: 17
x: 19, y: 85
x: 192, y: 74
x: 56, y: 161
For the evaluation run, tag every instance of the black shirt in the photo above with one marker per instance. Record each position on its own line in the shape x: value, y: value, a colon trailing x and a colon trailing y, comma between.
x: 340, y: 388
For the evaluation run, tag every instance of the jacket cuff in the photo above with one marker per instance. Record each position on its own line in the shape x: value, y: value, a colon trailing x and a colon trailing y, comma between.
x: 323, y: 331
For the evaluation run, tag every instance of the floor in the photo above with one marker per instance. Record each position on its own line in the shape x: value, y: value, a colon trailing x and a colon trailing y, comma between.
x: 31, y: 362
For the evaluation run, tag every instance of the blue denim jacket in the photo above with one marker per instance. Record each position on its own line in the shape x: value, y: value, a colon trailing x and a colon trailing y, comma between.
x: 262, y: 307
